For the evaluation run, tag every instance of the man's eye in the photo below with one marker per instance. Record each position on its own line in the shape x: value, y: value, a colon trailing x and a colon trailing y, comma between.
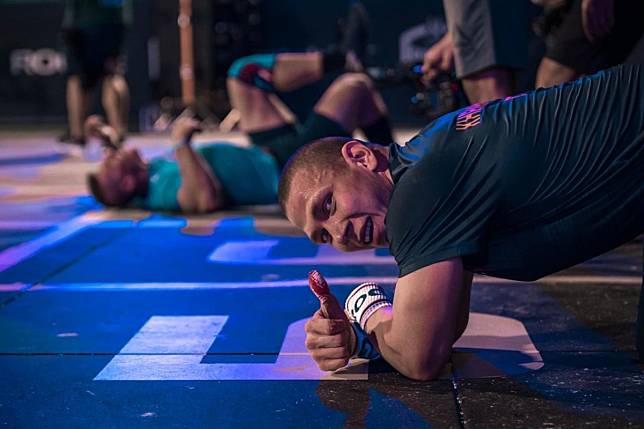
x: 328, y: 201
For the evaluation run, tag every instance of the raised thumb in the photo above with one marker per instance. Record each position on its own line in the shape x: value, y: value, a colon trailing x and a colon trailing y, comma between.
x: 329, y: 305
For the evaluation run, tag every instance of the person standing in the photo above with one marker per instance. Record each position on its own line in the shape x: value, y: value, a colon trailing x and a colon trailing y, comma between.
x: 486, y: 42
x: 93, y: 32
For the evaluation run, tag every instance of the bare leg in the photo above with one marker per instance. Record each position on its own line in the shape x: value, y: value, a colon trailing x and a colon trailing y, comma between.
x: 487, y: 85
x: 116, y: 100
x: 295, y: 70
x: 259, y: 109
x: 257, y: 112
x: 352, y: 101
x: 552, y: 73
x: 78, y: 100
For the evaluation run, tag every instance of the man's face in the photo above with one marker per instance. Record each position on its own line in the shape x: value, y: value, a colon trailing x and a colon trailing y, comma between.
x: 122, y: 174
x: 344, y: 208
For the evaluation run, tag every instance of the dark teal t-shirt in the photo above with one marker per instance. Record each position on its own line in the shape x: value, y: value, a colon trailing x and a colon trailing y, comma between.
x: 523, y: 187
x: 248, y: 176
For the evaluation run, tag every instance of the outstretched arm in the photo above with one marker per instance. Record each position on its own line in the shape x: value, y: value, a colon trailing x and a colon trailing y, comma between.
x: 200, y: 190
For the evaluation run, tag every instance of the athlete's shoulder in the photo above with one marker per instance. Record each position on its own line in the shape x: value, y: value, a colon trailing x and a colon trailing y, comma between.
x: 404, y: 156
x: 452, y: 124
x: 440, y: 136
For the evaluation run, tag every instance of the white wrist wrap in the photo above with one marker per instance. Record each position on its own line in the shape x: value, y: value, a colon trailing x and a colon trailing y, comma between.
x: 363, y: 301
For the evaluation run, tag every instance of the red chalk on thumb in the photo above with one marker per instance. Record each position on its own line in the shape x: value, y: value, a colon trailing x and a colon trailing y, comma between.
x: 317, y: 284
x: 330, y: 308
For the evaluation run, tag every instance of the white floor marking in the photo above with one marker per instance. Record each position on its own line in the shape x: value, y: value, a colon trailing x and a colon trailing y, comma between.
x: 250, y: 251
x: 256, y: 252
x: 172, y: 347
x: 203, y: 286
x: 14, y: 255
x: 26, y: 225
x: 333, y: 281
x: 176, y: 334
x: 512, y: 350
x: 13, y: 287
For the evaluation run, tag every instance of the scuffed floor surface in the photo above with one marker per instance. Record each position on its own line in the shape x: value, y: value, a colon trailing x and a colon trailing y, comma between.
x: 130, y: 319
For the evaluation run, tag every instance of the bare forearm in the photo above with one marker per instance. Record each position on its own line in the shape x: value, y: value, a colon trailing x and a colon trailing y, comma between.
x: 417, y: 334
x: 200, y: 189
x: 379, y: 330
x: 417, y: 355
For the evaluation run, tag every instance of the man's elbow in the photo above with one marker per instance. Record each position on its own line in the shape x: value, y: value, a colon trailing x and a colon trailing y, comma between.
x: 425, y: 366
x: 208, y: 201
x: 422, y: 371
x: 201, y: 206
x: 206, y: 205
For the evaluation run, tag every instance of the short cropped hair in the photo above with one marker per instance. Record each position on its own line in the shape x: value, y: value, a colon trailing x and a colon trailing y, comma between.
x: 325, y: 152
x: 96, y: 190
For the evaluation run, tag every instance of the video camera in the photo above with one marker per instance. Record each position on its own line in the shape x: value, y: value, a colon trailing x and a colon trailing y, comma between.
x: 442, y: 95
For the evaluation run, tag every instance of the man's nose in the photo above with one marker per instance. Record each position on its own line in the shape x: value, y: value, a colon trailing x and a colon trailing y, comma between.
x: 338, y: 231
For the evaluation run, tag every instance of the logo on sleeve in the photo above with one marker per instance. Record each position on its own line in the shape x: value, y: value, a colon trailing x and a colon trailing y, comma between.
x: 469, y: 117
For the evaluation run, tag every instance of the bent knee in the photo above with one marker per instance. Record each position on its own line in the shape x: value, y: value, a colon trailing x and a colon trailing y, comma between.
x: 354, y: 81
x: 265, y: 61
x: 254, y: 70
x: 354, y: 85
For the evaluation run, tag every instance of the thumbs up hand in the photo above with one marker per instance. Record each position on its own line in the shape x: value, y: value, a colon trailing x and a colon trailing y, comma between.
x: 329, y: 336
x: 329, y: 305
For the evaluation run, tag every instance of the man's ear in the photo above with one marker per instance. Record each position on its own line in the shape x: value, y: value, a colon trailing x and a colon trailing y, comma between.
x: 356, y: 153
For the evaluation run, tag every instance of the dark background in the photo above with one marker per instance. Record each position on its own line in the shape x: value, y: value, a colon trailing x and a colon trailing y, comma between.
x: 32, y: 69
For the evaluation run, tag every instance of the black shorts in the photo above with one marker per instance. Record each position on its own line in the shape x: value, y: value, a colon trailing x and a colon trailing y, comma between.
x: 283, y: 141
x: 569, y: 46
x: 93, y: 54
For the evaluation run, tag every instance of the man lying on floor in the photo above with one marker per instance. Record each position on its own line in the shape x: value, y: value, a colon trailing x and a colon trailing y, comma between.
x: 517, y: 188
x: 187, y: 183
x: 215, y: 176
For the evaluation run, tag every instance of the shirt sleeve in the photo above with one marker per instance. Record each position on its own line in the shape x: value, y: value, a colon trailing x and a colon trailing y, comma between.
x: 163, y: 187
x: 442, y: 206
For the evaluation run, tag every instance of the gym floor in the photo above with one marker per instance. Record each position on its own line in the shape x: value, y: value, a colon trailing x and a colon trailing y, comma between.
x: 133, y: 319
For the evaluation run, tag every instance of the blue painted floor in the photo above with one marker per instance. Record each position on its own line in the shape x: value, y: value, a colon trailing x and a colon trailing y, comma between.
x: 130, y: 319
